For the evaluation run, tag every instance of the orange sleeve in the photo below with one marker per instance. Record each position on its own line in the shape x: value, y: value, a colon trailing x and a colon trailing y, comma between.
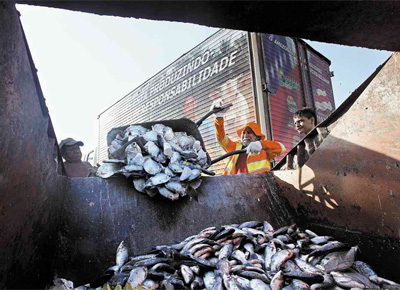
x: 227, y: 144
x: 273, y: 148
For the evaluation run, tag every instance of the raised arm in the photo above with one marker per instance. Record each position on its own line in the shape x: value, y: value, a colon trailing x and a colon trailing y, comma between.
x: 227, y: 144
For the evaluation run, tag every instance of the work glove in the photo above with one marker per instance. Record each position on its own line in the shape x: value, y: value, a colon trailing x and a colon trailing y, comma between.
x: 218, y: 104
x: 254, y: 148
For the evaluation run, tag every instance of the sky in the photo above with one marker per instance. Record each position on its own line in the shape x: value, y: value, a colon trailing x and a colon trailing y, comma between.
x: 87, y: 62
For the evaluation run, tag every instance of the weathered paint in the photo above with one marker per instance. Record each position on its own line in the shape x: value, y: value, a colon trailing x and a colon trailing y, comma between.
x: 351, y: 183
x: 31, y: 192
x: 99, y: 214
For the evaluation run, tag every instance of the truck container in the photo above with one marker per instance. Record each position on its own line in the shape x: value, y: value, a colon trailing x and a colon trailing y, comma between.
x: 266, y: 77
x: 71, y: 227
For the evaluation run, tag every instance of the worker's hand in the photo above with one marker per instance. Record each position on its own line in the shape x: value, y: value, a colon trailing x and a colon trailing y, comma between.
x: 216, y: 105
x: 254, y: 148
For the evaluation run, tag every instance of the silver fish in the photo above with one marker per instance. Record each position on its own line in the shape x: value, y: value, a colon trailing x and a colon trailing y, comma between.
x: 186, y: 173
x: 107, y: 170
x: 152, y: 149
x: 150, y: 284
x: 150, y: 136
x: 279, y: 258
x: 187, y: 274
x: 175, y: 167
x: 277, y: 281
x: 168, y: 194
x: 168, y: 150
x: 130, y: 168
x: 159, y: 178
x: 122, y: 254
x: 137, y: 276
x: 345, y: 281
x: 151, y: 167
x: 339, y: 261
x: 209, y: 280
x: 176, y: 187
x: 257, y: 284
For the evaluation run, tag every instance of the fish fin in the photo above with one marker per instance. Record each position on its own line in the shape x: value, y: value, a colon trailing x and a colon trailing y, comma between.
x: 193, y: 193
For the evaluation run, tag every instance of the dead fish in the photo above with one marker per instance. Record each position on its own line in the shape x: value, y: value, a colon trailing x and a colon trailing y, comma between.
x: 197, y: 145
x: 114, y: 161
x: 345, y: 281
x: 225, y: 251
x: 150, y: 136
x: 319, y: 240
x: 270, y: 250
x: 122, y: 254
x: 327, y: 283
x: 197, y: 283
x: 240, y: 256
x: 107, y: 170
x: 327, y: 248
x: 187, y: 274
x: 195, y: 173
x: 299, y: 285
x: 175, y: 167
x: 306, y: 267
x: 152, y: 149
x: 168, y: 194
x: 257, y: 284
x: 168, y: 133
x: 339, y: 261
x: 150, y: 284
x: 209, y: 280
x: 361, y: 278
x: 176, y: 187
x: 311, y: 234
x: 151, y: 167
x: 130, y: 168
x: 159, y: 178
x: 254, y: 275
x: 279, y: 258
x: 196, y: 269
x: 186, y: 172
x: 168, y: 150
x: 139, y: 184
x: 136, y: 130
x: 277, y: 281
x: 364, y: 269
x: 382, y: 281
x: 131, y: 151
x: 250, y: 224
x: 249, y: 248
x: 137, y: 276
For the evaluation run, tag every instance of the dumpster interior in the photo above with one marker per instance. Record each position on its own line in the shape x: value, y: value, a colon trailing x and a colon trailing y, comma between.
x: 71, y: 227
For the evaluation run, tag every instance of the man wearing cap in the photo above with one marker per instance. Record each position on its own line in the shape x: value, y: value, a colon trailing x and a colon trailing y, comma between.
x: 74, y: 166
x: 259, y: 153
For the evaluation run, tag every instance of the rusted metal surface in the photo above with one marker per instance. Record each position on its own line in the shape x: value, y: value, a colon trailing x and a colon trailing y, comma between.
x: 351, y: 182
x: 372, y: 24
x: 99, y: 214
x: 30, y: 188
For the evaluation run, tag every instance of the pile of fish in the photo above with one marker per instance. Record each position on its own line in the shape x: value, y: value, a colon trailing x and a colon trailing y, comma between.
x: 251, y: 255
x: 160, y: 160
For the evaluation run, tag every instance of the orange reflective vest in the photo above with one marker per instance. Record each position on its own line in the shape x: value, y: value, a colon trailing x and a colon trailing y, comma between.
x: 255, y: 163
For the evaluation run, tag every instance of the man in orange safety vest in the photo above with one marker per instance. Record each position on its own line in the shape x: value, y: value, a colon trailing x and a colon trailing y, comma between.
x: 259, y: 154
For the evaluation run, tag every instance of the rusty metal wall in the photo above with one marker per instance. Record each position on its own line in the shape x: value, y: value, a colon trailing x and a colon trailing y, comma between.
x: 218, y: 67
x: 30, y: 188
x: 351, y: 183
x: 99, y: 214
